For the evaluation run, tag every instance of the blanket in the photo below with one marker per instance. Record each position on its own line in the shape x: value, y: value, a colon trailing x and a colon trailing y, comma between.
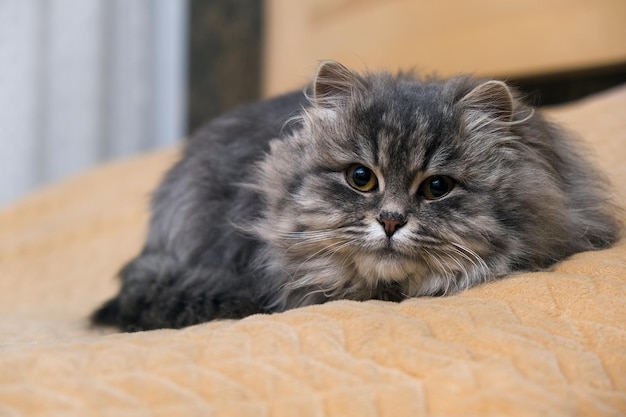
x: 533, y: 344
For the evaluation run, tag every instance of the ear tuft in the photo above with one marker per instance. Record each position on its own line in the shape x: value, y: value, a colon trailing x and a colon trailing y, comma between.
x: 333, y: 83
x: 493, y: 97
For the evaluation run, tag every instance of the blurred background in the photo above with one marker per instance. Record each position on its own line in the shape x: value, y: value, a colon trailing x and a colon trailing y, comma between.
x: 87, y: 81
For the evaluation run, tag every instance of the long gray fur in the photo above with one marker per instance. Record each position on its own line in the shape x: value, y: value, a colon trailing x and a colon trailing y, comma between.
x: 258, y: 215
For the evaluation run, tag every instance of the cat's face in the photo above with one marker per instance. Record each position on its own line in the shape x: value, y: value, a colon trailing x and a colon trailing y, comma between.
x: 395, y: 182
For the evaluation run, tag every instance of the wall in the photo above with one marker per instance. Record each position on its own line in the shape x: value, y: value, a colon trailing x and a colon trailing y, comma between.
x: 505, y: 39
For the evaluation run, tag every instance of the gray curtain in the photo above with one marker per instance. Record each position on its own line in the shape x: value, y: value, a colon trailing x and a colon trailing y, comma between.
x: 84, y: 81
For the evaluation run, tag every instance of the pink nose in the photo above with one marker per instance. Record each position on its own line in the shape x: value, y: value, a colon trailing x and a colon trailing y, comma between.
x: 391, y: 222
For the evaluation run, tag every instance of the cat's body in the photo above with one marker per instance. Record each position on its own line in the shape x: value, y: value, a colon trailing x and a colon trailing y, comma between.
x: 378, y: 187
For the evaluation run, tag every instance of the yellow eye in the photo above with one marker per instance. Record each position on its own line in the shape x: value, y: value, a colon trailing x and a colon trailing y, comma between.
x: 436, y: 187
x: 361, y: 178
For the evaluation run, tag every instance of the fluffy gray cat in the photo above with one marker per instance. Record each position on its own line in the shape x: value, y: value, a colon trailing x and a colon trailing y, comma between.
x: 366, y: 187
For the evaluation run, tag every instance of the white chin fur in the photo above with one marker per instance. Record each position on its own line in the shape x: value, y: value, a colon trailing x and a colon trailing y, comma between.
x: 375, y: 268
x: 384, y: 268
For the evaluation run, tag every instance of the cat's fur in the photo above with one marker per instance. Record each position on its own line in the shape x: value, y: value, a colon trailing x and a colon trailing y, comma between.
x: 260, y: 215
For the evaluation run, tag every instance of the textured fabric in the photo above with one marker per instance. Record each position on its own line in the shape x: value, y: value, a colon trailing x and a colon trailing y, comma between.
x: 549, y: 343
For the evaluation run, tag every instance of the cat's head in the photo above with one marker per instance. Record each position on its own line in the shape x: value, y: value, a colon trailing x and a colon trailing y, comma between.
x: 428, y: 186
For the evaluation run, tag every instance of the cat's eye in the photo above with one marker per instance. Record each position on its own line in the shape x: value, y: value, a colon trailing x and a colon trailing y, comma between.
x: 436, y: 187
x: 361, y: 178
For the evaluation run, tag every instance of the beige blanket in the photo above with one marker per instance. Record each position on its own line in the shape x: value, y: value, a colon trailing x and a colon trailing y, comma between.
x: 540, y: 344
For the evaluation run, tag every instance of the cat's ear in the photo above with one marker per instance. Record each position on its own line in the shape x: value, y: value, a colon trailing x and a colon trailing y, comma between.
x: 333, y: 84
x: 492, y: 97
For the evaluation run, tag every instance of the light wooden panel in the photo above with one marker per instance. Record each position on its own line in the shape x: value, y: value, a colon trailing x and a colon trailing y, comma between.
x: 487, y: 37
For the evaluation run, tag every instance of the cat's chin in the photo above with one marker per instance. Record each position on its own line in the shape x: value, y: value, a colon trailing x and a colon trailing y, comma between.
x: 387, y: 266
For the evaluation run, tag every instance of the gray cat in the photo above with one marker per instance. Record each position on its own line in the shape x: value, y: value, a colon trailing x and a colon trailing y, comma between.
x: 366, y: 187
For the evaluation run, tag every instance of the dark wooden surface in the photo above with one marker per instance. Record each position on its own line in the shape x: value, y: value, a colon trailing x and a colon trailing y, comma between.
x: 224, y: 67
x: 550, y: 89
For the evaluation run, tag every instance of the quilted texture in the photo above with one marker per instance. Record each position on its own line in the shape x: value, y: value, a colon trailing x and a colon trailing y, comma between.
x: 549, y: 343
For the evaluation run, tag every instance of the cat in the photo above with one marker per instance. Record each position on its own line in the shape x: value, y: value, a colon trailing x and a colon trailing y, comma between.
x: 367, y: 186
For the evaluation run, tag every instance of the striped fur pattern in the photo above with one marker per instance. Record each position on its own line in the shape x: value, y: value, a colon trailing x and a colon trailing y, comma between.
x: 272, y: 206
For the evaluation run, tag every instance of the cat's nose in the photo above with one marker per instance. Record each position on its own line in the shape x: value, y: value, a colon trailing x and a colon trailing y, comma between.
x: 391, y: 222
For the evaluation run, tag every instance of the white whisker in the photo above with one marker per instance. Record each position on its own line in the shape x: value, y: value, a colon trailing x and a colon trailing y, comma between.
x: 474, y: 258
